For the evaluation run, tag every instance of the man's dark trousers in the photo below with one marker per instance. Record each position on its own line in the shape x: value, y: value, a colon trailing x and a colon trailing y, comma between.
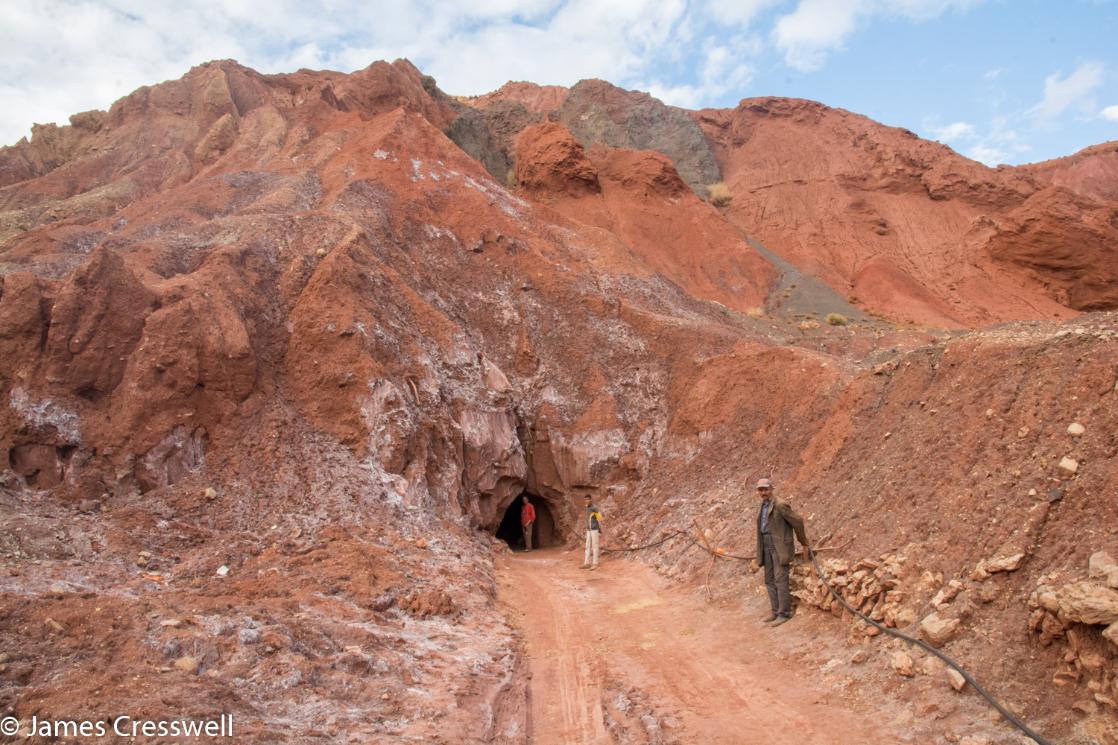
x: 776, y: 580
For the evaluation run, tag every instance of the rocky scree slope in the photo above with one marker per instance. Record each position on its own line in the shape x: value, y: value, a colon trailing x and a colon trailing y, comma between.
x: 902, y: 227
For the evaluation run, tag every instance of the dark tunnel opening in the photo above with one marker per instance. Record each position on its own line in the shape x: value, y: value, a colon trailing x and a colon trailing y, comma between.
x: 543, y: 532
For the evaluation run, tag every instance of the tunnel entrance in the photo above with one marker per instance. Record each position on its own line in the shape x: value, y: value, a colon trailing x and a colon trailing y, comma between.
x: 543, y: 533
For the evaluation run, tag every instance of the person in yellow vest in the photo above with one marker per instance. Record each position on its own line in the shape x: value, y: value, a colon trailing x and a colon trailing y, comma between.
x: 593, y: 525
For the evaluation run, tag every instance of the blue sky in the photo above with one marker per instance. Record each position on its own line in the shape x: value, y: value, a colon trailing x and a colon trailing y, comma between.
x: 998, y: 80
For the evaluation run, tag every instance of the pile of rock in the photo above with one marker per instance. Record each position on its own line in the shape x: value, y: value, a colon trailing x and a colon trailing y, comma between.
x: 428, y: 603
x: 1074, y: 612
x: 871, y: 586
x: 908, y: 663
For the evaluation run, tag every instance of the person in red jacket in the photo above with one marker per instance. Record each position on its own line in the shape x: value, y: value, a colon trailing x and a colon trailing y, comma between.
x: 527, y: 521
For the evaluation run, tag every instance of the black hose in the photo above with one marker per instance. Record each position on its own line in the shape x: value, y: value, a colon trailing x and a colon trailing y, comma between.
x: 1006, y: 713
x: 663, y: 540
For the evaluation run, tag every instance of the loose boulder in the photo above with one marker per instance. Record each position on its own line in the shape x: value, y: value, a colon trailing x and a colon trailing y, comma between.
x: 1068, y: 466
x: 955, y: 679
x: 903, y: 664
x: 1087, y: 602
x: 937, y: 629
x: 986, y: 567
x: 1103, y: 566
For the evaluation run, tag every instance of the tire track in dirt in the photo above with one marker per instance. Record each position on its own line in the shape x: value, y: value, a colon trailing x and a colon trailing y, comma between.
x: 566, y: 693
x: 710, y: 674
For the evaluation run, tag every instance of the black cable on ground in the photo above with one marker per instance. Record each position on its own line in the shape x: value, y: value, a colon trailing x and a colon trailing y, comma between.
x: 1006, y: 713
x: 663, y: 540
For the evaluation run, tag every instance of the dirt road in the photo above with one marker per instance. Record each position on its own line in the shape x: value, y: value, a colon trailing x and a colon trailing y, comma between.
x: 622, y: 655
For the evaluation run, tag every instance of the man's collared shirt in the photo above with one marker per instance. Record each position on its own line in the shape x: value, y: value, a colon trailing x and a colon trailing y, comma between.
x: 766, y: 511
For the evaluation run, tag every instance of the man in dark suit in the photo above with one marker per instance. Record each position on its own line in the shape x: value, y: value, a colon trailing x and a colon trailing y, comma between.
x: 776, y: 524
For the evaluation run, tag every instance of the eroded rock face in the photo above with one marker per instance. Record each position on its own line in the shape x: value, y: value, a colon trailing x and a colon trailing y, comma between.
x: 1092, y: 172
x: 540, y: 99
x: 1065, y: 240
x: 913, y: 230
x: 597, y: 112
x: 172, y: 460
x: 550, y: 160
x: 102, y: 307
x: 494, y: 464
x: 25, y: 302
x: 391, y: 423
x: 41, y: 466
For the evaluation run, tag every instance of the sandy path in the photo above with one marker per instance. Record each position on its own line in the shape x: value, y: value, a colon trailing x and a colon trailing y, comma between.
x: 708, y: 675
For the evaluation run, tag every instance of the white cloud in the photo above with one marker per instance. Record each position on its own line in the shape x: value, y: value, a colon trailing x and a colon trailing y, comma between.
x: 61, y: 58
x: 992, y: 142
x: 583, y: 39
x: 722, y: 72
x: 1061, y: 93
x: 954, y: 132
x: 685, y: 96
x: 996, y: 143
x: 988, y: 154
x: 737, y: 12
x: 816, y: 28
x: 924, y: 10
x: 1110, y: 113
